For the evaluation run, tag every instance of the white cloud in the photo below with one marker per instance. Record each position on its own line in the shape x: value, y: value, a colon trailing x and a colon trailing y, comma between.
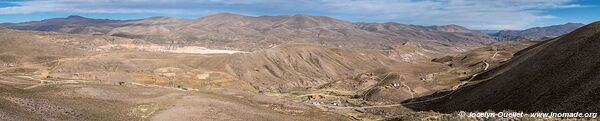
x: 478, y: 14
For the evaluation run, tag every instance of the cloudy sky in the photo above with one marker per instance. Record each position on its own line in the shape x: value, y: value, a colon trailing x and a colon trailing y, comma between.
x: 475, y: 14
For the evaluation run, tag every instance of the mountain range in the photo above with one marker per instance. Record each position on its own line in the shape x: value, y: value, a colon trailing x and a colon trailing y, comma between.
x: 229, y: 31
x: 536, y: 33
x: 239, y: 32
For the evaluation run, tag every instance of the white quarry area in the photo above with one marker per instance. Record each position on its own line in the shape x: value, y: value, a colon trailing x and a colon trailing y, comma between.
x: 160, y: 48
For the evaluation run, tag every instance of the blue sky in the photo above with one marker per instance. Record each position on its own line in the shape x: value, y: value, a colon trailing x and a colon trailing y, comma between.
x: 474, y: 14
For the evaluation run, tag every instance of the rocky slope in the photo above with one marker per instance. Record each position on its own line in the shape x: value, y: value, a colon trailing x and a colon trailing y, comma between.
x: 537, y: 32
x: 559, y: 75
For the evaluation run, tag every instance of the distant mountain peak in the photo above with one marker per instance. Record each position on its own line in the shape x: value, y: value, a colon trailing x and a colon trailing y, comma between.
x: 574, y: 24
x: 225, y: 14
x: 450, y: 28
x: 75, y: 17
x: 455, y: 26
x: 228, y: 14
x: 160, y: 18
x: 304, y: 16
x: 301, y: 15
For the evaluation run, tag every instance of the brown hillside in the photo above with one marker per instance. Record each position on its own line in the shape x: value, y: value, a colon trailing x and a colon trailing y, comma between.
x: 20, y: 47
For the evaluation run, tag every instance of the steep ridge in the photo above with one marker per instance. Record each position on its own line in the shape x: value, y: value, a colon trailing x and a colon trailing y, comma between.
x: 558, y: 75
